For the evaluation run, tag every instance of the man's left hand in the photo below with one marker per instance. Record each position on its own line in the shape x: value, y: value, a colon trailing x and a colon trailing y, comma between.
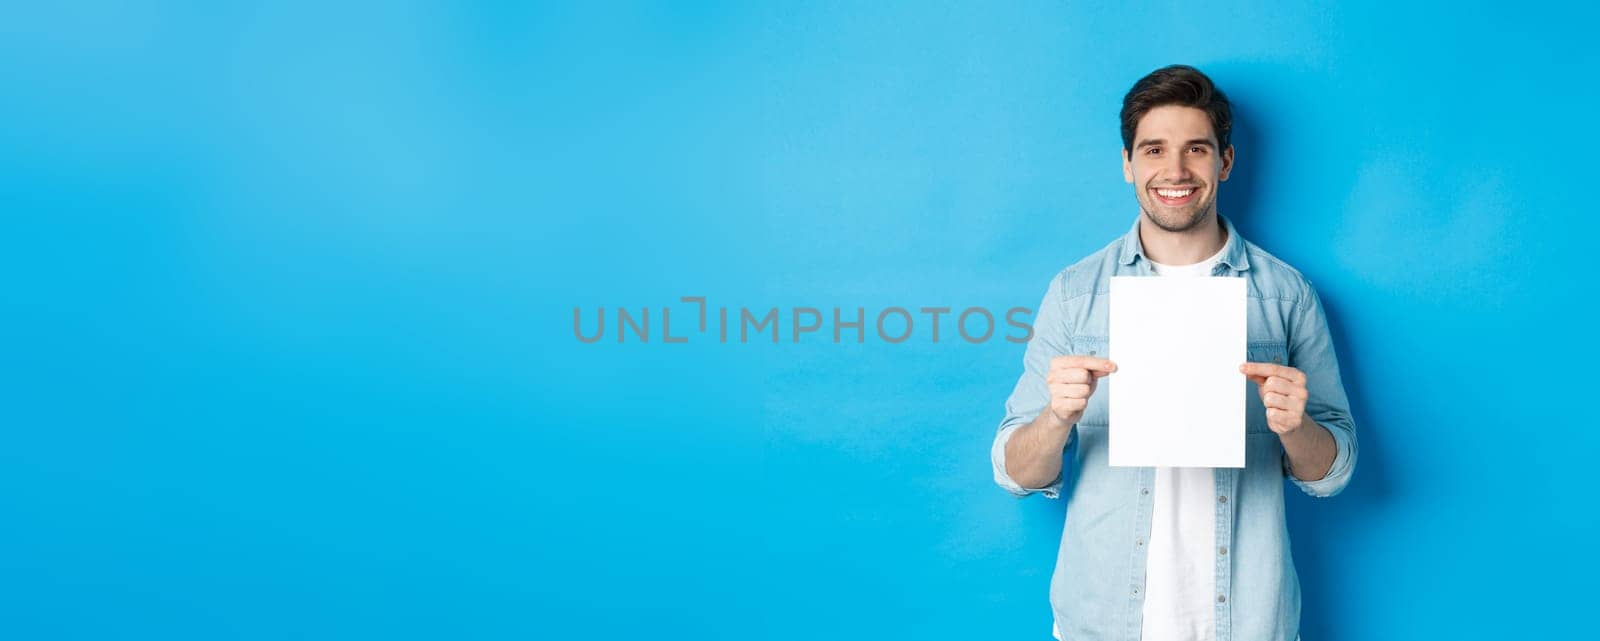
x: 1283, y: 392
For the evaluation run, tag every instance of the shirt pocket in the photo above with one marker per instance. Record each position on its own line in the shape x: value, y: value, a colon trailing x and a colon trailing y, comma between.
x: 1255, y: 414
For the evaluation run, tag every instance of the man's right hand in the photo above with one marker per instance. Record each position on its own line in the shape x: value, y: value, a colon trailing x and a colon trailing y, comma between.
x: 1072, y: 381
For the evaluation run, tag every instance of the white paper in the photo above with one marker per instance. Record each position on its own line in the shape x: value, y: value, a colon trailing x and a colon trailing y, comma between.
x: 1176, y: 397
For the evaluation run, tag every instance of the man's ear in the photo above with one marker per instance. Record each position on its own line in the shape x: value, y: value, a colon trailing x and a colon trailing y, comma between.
x: 1127, y: 167
x: 1227, y: 163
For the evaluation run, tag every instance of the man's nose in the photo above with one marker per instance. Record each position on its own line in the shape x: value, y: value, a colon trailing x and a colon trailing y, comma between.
x: 1176, y: 169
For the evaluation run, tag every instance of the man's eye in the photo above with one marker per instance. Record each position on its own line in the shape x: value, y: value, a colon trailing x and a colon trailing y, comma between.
x: 1198, y: 149
x: 1152, y: 151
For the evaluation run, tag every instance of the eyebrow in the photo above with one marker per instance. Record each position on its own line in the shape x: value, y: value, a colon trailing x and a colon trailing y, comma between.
x: 1161, y: 141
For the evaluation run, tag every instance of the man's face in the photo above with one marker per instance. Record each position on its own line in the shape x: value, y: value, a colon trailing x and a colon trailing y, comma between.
x: 1176, y: 167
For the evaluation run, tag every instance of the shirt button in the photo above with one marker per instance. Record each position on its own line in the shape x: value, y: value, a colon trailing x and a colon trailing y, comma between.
x: 1136, y: 591
x: 1144, y: 490
x: 1139, y: 542
x: 1093, y: 352
x: 1222, y: 499
x: 1222, y: 599
x: 1277, y: 359
x: 1223, y: 550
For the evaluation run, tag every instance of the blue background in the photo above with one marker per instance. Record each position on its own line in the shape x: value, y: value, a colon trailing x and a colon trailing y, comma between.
x: 289, y: 293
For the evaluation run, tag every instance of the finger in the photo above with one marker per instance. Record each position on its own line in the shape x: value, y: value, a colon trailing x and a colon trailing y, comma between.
x: 1071, y: 390
x: 1277, y: 418
x: 1070, y: 405
x: 1275, y: 400
x: 1101, y: 365
x: 1071, y: 375
x: 1285, y: 387
x: 1280, y: 416
x: 1273, y: 369
x: 1258, y: 380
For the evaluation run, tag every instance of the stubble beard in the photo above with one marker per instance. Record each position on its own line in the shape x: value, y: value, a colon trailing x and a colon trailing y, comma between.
x: 1203, y: 214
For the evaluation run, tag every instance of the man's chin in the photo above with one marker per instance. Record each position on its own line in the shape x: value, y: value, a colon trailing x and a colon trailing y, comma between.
x: 1177, y: 222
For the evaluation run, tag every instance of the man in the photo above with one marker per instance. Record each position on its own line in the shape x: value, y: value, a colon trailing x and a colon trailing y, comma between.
x: 1164, y: 554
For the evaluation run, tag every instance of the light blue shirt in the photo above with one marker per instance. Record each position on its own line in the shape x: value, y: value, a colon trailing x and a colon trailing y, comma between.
x: 1097, y: 589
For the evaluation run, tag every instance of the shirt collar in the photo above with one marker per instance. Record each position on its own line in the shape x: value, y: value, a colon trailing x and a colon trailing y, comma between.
x: 1233, y: 253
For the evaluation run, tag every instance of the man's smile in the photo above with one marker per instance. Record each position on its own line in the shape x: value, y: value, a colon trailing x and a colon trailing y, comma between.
x: 1174, y: 196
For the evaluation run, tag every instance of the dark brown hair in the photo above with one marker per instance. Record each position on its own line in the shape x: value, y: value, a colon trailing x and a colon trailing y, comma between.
x: 1176, y: 85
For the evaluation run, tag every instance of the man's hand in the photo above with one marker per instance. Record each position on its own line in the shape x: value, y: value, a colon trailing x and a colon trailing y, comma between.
x: 1283, y: 392
x: 1072, y: 380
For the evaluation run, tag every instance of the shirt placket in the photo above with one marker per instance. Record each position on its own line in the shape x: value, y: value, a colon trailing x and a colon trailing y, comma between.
x: 1226, y: 480
x: 1227, y: 491
x: 1140, y: 556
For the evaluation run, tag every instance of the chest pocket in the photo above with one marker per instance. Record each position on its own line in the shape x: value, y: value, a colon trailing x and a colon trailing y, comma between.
x: 1255, y: 414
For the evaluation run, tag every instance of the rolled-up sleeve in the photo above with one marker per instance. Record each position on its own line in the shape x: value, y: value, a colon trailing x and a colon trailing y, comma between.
x: 1031, y: 395
x: 1311, y: 351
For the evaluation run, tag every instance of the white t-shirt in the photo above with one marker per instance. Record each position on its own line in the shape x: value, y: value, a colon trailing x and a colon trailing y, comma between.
x: 1180, y: 579
x: 1180, y: 575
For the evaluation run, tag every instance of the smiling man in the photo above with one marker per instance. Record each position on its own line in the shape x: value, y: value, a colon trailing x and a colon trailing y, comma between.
x: 1177, y: 554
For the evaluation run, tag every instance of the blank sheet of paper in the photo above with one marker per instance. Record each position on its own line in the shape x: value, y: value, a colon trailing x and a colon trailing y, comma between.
x: 1177, y: 397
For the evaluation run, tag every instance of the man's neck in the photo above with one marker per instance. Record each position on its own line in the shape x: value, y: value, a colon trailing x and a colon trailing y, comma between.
x: 1181, y: 248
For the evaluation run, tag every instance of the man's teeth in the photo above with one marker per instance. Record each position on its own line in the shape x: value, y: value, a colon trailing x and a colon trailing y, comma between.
x: 1174, y: 193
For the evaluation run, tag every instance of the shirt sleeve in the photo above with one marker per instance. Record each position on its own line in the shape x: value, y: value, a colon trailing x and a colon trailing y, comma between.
x: 1031, y: 395
x: 1311, y: 351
